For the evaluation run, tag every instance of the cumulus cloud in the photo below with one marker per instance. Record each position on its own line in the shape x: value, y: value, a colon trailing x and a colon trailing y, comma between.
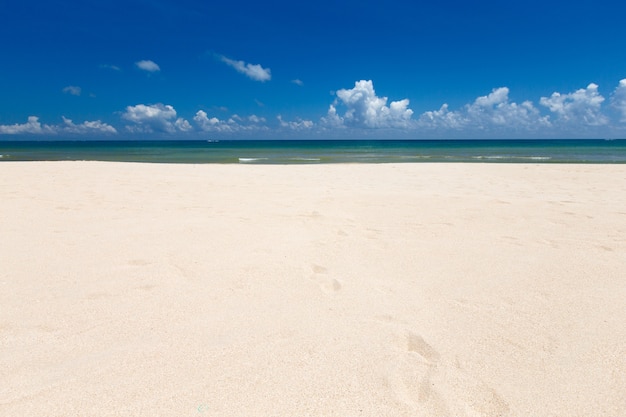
x: 33, y: 126
x: 73, y: 90
x: 96, y: 126
x: 580, y: 107
x: 148, y: 65
x: 213, y: 124
x: 182, y: 125
x: 493, y: 111
x: 297, y: 124
x: 253, y: 71
x: 297, y: 82
x: 496, y: 109
x: 232, y: 124
x: 618, y: 99
x: 333, y: 119
x: 256, y: 119
x: 442, y: 118
x: 155, y: 118
x: 363, y: 108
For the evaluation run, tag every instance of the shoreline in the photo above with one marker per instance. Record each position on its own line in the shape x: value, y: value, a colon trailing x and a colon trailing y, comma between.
x: 336, y: 289
x: 324, y: 152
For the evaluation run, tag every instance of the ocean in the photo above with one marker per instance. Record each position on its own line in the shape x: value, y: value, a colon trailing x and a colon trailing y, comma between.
x: 594, y: 151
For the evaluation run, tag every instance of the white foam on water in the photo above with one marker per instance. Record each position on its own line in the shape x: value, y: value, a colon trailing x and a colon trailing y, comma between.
x: 532, y: 158
x: 247, y: 160
x: 490, y: 157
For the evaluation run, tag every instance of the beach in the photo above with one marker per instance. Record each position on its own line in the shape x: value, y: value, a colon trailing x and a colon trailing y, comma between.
x: 312, y: 290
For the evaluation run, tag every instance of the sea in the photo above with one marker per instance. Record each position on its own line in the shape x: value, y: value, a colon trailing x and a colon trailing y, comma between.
x: 561, y: 151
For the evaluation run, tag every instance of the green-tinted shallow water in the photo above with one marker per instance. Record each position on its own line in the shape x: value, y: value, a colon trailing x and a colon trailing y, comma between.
x: 321, y: 151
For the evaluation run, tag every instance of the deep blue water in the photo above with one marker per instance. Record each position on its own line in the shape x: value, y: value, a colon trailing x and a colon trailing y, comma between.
x: 321, y: 151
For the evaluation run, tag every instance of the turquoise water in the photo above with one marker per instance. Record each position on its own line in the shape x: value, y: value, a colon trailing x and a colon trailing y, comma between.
x: 321, y: 151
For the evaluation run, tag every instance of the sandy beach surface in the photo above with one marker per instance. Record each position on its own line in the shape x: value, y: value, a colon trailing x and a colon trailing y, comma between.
x: 321, y: 290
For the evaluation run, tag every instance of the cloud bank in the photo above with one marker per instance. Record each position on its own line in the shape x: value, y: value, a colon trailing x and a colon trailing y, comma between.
x: 580, y: 107
x: 235, y: 123
x: 580, y: 113
x: 360, y: 112
x: 493, y: 111
x: 252, y: 71
x: 34, y: 127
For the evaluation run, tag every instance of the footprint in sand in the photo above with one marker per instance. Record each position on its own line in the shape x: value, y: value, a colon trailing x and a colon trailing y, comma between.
x: 146, y: 287
x: 426, y: 383
x: 327, y: 284
x: 413, y: 379
x: 138, y: 262
x: 98, y: 295
x: 415, y: 343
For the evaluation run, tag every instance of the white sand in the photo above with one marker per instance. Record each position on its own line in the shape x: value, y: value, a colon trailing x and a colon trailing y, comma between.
x: 327, y: 290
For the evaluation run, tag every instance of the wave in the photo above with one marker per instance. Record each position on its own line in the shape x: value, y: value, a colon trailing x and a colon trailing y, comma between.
x: 490, y: 157
x: 305, y: 159
x: 531, y: 158
x: 248, y: 160
x: 416, y: 156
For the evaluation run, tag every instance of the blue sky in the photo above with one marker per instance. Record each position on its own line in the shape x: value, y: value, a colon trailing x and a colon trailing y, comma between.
x: 139, y: 69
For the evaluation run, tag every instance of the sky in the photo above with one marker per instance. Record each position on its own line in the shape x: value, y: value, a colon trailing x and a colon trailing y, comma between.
x: 185, y: 69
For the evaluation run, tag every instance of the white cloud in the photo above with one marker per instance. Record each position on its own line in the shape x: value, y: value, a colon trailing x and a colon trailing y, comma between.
x: 155, y: 118
x: 111, y: 67
x: 212, y: 124
x: 253, y: 71
x: 256, y: 119
x: 442, y: 118
x: 148, y: 65
x: 86, y: 127
x: 232, y: 124
x: 73, y: 90
x: 183, y: 125
x: 33, y: 126
x: 618, y: 99
x: 297, y: 82
x: 332, y: 119
x: 580, y: 107
x: 298, y: 124
x: 493, y: 111
x: 363, y: 108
